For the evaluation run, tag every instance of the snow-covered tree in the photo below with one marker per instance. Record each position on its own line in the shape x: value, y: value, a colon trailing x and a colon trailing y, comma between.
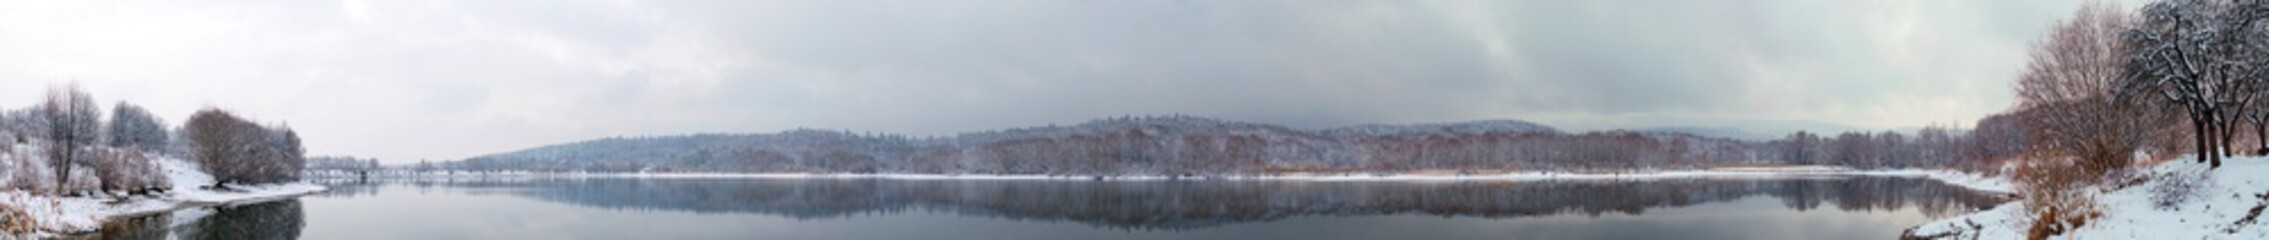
x: 133, y: 127
x: 291, y: 157
x: 2202, y: 57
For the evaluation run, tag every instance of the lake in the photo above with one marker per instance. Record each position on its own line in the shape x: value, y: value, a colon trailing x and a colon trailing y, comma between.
x: 617, y: 208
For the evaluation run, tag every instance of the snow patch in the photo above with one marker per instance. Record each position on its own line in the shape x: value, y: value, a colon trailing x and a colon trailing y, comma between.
x: 2220, y: 198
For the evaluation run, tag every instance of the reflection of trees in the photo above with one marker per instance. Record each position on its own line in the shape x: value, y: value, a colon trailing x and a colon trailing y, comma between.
x: 1197, y: 204
x: 136, y: 228
x: 353, y: 187
x: 1867, y: 194
x: 270, y: 220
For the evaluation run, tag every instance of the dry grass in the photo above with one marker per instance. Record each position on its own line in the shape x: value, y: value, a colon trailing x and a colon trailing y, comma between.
x: 14, y: 221
x: 2055, y: 193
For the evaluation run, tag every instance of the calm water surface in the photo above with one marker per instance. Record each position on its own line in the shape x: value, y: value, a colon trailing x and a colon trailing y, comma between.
x: 1809, y: 208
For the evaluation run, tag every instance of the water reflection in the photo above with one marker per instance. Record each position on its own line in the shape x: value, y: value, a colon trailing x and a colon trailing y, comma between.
x: 270, y: 220
x: 1183, y: 205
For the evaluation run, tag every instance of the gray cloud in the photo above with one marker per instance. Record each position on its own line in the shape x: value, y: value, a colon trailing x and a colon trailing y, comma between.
x: 408, y: 80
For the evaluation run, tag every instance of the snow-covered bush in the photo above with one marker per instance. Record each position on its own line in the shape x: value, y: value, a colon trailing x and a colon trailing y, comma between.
x: 80, y: 182
x: 2173, y: 189
x: 128, y: 170
x: 27, y: 172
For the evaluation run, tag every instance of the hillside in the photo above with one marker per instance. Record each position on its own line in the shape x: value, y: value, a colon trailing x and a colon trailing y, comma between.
x: 1174, y: 145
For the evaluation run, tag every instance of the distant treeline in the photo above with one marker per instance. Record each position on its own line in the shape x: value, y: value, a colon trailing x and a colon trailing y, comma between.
x: 1180, y: 145
x: 343, y: 164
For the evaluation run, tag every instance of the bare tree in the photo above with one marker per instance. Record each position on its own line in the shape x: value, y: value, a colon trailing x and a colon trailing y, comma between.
x: 72, y: 126
x: 213, y: 143
x: 1996, y: 138
x: 238, y: 151
x: 1799, y: 148
x: 1937, y: 145
x: 2065, y: 93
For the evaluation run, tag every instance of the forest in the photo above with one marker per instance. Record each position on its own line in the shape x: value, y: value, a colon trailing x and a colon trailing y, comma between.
x: 1198, y: 146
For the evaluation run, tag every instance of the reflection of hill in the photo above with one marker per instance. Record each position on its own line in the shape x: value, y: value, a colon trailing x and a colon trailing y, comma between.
x: 1198, y: 204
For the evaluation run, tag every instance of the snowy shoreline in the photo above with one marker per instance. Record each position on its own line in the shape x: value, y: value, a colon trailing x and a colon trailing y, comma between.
x: 63, y: 216
x: 2209, y: 205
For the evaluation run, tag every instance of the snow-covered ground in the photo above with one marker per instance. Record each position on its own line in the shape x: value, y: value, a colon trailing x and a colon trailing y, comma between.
x: 62, y: 215
x: 2217, y: 199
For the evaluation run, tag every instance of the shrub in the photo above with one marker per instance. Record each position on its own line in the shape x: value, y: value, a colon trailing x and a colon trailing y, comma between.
x: 2173, y: 189
x: 28, y: 173
x: 2055, y: 193
x: 14, y: 221
x: 128, y: 170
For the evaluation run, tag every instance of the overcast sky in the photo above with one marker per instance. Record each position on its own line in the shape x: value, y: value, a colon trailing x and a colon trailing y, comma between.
x: 405, y: 80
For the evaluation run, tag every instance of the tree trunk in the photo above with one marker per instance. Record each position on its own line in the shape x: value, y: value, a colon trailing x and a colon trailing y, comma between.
x: 2229, y: 121
x: 63, y: 179
x: 2199, y: 140
x: 2214, y: 145
x: 2228, y: 133
x: 2260, y: 135
x: 63, y: 163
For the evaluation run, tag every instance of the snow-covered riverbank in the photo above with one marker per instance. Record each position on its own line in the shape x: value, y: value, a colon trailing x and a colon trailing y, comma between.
x: 68, y: 215
x: 2181, y: 199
